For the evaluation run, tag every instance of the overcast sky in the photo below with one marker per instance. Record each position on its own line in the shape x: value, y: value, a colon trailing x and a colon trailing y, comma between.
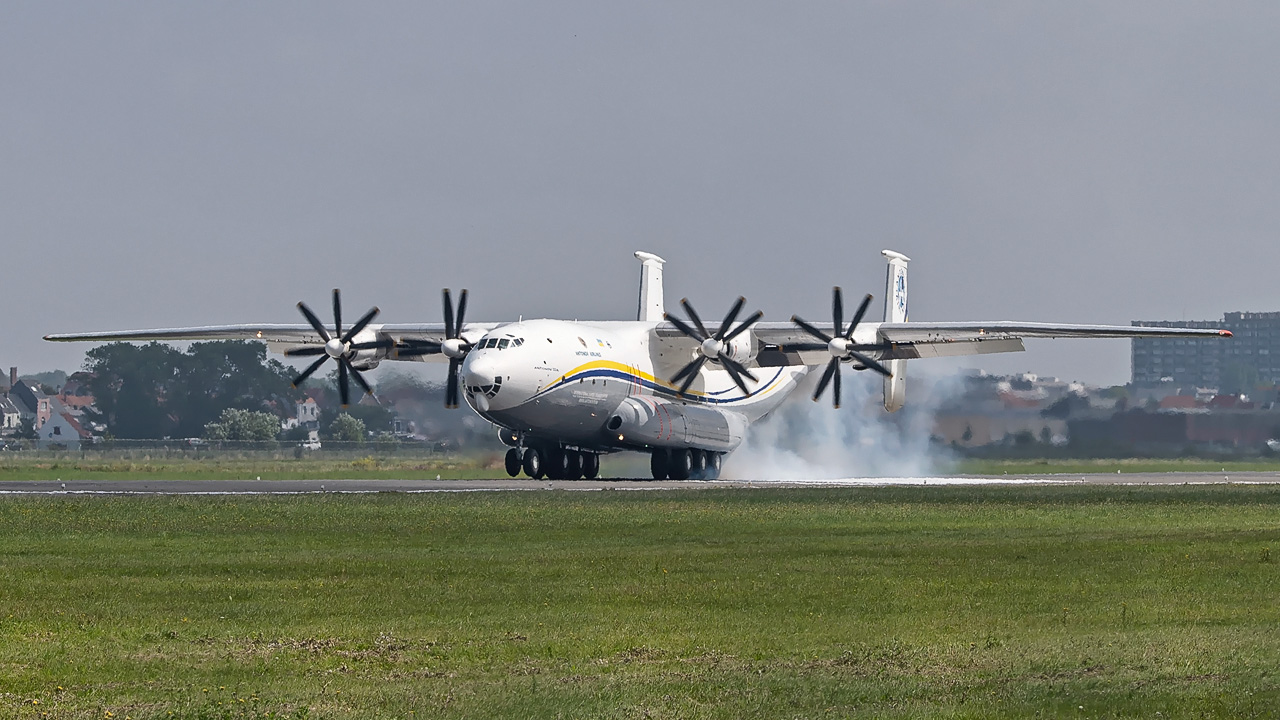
x: 166, y: 164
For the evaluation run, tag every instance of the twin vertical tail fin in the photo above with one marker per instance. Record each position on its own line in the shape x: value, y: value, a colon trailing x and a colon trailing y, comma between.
x: 895, y: 311
x: 651, y: 305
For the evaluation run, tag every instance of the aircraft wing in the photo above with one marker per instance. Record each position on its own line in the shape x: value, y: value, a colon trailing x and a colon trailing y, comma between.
x: 786, y: 344
x: 278, y: 337
x: 938, y: 339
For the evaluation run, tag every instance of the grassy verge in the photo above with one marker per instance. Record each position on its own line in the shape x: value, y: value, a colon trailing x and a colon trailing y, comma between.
x: 268, y: 466
x: 1113, y: 465
x: 897, y: 602
x: 265, y: 466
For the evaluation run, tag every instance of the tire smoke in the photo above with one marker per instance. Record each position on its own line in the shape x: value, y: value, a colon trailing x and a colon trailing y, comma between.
x: 806, y: 440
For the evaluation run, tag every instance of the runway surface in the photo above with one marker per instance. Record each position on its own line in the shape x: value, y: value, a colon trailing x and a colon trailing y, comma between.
x: 287, y: 487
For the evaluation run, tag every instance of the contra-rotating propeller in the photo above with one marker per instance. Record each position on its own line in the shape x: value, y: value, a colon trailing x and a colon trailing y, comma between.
x: 713, y: 347
x: 453, y: 346
x: 337, y: 346
x: 841, y: 346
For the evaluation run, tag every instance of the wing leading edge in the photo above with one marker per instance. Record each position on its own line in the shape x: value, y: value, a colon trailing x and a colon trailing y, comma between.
x: 910, y: 340
x: 278, y: 337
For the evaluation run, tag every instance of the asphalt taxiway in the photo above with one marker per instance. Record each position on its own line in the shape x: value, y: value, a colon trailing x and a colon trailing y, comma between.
x: 72, y: 486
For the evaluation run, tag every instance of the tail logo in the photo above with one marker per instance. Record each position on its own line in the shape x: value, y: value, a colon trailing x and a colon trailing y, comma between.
x: 900, y: 292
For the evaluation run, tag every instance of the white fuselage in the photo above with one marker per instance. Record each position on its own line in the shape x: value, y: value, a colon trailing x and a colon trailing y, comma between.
x: 563, y: 380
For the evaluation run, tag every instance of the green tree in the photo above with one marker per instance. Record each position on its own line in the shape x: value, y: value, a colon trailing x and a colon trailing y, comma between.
x: 26, y: 429
x: 131, y: 386
x: 155, y: 391
x: 243, y: 425
x: 345, y: 428
x: 376, y: 419
x: 215, y: 376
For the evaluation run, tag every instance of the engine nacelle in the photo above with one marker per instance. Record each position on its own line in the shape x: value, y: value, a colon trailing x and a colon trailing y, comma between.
x: 659, y: 423
x: 366, y: 359
x: 742, y: 348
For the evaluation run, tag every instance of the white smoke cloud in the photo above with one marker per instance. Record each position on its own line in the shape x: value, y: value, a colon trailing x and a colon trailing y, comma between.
x: 806, y: 440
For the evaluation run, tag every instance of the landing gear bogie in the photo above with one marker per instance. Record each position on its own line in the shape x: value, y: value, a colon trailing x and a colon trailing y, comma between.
x: 685, y: 464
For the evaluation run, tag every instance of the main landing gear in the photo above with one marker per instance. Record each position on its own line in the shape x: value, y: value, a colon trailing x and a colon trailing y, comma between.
x: 685, y: 464
x: 553, y: 463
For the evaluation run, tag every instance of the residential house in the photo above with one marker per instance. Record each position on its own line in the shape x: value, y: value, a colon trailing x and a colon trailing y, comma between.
x: 10, y: 416
x: 62, y: 429
x: 32, y: 402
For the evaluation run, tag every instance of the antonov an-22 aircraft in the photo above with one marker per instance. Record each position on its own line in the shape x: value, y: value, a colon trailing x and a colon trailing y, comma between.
x: 563, y: 393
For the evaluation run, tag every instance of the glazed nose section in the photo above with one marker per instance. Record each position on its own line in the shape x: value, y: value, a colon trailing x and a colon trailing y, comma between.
x: 483, y: 381
x: 481, y: 372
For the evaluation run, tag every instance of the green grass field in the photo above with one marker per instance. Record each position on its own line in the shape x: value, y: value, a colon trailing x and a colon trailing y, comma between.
x: 164, y: 465
x: 241, y: 466
x: 894, y: 602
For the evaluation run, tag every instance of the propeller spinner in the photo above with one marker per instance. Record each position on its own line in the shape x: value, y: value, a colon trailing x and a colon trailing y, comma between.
x: 714, y: 347
x: 841, y: 347
x: 338, y: 347
x: 453, y: 347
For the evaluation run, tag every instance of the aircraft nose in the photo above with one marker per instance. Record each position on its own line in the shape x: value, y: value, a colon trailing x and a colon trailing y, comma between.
x: 481, y: 372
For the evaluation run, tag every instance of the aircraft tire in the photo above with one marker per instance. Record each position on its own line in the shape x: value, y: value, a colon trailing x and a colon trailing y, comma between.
x: 572, y: 465
x: 512, y: 462
x: 590, y: 466
x: 697, y: 463
x: 681, y: 464
x: 557, y: 464
x: 658, y: 464
x: 715, y: 461
x: 534, y: 467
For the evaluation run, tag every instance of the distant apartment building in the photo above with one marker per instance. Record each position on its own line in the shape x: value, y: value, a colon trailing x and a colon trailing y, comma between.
x: 1250, y: 358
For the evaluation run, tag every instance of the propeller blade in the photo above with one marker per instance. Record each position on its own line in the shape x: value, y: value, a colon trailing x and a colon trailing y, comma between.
x: 448, y: 316
x: 383, y: 343
x: 729, y: 318
x: 360, y: 324
x: 826, y: 378
x: 418, y: 350
x: 303, y: 352
x: 462, y: 311
x: 344, y: 390
x: 737, y: 377
x: 837, y: 311
x: 857, y: 317
x: 684, y: 328
x: 872, y: 364
x: 358, y: 377
x: 751, y: 320
x: 307, y: 373
x: 737, y: 367
x: 451, y: 386
x: 337, y: 314
x: 693, y: 315
x: 684, y: 371
x: 810, y: 329
x: 835, y: 390
x: 315, y: 322
x: 697, y: 366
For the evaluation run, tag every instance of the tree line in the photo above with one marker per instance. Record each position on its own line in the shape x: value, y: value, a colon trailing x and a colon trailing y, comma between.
x: 219, y: 389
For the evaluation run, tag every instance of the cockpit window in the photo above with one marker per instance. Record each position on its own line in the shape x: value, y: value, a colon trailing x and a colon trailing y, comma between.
x: 499, y: 343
